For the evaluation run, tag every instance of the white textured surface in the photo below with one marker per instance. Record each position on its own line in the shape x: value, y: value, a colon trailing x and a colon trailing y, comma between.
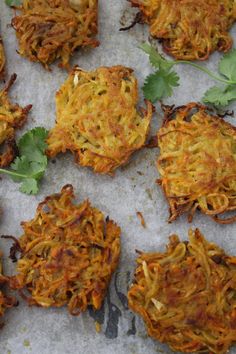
x: 55, y: 331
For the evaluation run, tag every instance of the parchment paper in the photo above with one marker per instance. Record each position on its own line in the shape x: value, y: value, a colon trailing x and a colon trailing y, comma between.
x: 54, y: 331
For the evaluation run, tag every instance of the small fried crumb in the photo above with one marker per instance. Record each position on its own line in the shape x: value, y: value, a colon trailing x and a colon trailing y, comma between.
x: 98, y: 327
x: 141, y: 218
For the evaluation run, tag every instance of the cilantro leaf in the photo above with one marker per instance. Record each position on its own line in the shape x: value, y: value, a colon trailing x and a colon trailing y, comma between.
x: 32, y: 145
x: 13, y: 2
x: 29, y: 186
x: 227, y: 66
x: 160, y: 85
x: 214, y: 96
x: 220, y: 96
x: 23, y: 167
x: 157, y: 61
x: 30, y: 166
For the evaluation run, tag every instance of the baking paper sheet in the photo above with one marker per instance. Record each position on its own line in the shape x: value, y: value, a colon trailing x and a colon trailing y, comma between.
x: 54, y: 331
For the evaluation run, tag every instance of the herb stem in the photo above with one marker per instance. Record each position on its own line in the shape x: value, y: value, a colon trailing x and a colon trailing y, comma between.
x: 205, y: 70
x: 14, y: 174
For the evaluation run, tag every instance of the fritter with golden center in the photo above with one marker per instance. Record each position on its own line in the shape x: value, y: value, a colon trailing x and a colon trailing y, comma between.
x: 187, y: 295
x: 68, y: 254
x: 197, y: 162
x: 98, y: 120
x: 53, y: 29
x: 189, y: 29
x: 12, y: 116
x: 2, y: 59
x: 5, y: 301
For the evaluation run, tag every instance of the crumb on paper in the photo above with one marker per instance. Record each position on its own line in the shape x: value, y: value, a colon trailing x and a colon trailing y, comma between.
x: 26, y: 343
x: 98, y: 327
x: 140, y: 173
x: 141, y: 218
x: 152, y: 143
x: 130, y: 218
x: 149, y: 193
x: 23, y: 329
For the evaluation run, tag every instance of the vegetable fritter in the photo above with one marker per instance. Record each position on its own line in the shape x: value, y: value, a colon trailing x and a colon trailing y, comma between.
x: 189, y: 29
x: 2, y: 59
x: 5, y: 301
x: 68, y: 254
x: 12, y: 116
x: 197, y: 162
x: 187, y: 295
x: 53, y: 29
x: 97, y: 118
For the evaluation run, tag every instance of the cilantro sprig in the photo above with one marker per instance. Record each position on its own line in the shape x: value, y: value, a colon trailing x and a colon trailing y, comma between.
x: 161, y: 83
x: 13, y: 2
x: 29, y: 167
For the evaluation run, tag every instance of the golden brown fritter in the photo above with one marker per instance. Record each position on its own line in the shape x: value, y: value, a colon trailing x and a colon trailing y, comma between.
x: 97, y: 118
x: 189, y: 29
x: 5, y: 301
x: 68, y: 254
x: 197, y: 162
x: 2, y: 59
x: 187, y: 295
x: 53, y: 29
x: 12, y: 116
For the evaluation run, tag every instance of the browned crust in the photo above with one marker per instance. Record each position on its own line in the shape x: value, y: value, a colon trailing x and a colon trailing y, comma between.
x: 186, y: 295
x: 103, y: 126
x: 189, y: 30
x: 12, y: 117
x: 197, y: 163
x: 68, y: 247
x: 2, y: 60
x: 6, y: 301
x: 48, y: 30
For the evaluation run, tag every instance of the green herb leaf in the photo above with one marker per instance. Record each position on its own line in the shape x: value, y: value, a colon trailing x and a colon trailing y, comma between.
x: 227, y: 66
x: 32, y: 145
x: 29, y: 186
x: 20, y: 166
x: 160, y: 85
x: 220, y: 96
x: 13, y: 2
x: 23, y: 167
x: 155, y: 58
x: 30, y: 166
